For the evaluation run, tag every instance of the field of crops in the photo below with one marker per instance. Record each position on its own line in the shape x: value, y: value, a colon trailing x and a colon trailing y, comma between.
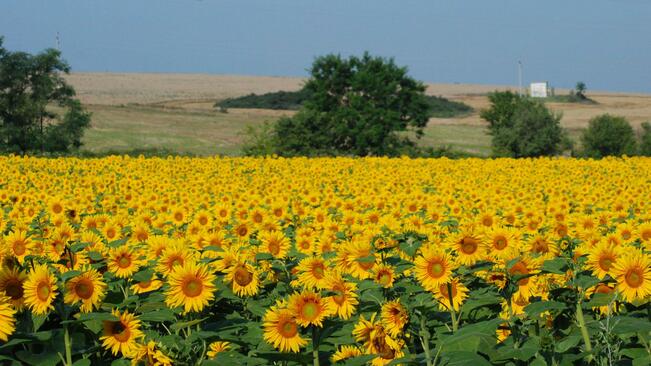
x: 252, y: 261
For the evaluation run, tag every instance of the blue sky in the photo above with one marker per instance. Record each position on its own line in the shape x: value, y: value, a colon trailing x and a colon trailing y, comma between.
x: 606, y: 43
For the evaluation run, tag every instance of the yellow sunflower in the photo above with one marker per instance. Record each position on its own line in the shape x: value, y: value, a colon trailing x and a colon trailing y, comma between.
x: 345, y: 352
x: 602, y: 257
x: 18, y: 244
x: 384, y: 275
x: 87, y: 288
x: 467, y: 246
x: 344, y: 301
x: 394, y: 317
x: 12, y: 282
x: 191, y: 286
x: 432, y: 267
x: 633, y: 274
x: 121, y: 336
x: 309, y: 307
x: 123, y: 261
x: 312, y: 272
x: 150, y: 356
x: 216, y: 347
x: 40, y: 289
x: 281, y: 330
x: 176, y: 254
x: 500, y: 241
x: 152, y: 284
x: 274, y: 243
x: 244, y: 279
x: 459, y: 294
x: 7, y: 320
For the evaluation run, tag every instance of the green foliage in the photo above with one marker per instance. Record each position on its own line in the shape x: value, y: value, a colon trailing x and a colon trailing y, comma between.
x: 580, y: 89
x: 28, y: 85
x: 294, y: 100
x: 608, y: 135
x: 645, y: 139
x: 358, y: 106
x: 523, y: 127
x: 259, y: 140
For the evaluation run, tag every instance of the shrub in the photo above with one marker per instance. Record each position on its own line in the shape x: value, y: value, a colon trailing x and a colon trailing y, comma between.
x: 645, y: 139
x: 608, y: 135
x: 522, y: 127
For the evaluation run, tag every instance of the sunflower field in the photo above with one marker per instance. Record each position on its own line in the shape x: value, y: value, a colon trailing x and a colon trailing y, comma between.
x: 329, y: 261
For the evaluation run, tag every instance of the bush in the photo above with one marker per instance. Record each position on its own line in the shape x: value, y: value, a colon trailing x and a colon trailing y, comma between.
x: 645, y: 139
x: 259, y: 140
x: 608, y: 135
x: 522, y: 127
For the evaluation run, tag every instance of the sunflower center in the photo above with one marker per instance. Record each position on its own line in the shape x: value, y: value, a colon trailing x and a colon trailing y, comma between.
x: 14, y: 289
x: 144, y: 284
x: 43, y: 291
x: 468, y: 245
x: 487, y: 221
x: 274, y: 247
x: 634, y: 277
x: 110, y: 233
x: 500, y: 242
x: 288, y: 328
x: 57, y: 208
x: 603, y: 289
x: 243, y: 277
x: 192, y: 287
x: 540, y: 246
x: 646, y: 235
x: 437, y: 269
x: 242, y: 231
x: 176, y: 261
x: 84, y: 289
x: 605, y: 263
x: 310, y: 311
x: 178, y: 216
x: 19, y: 247
x: 124, y: 261
x: 626, y: 235
x: 384, y: 278
x: 444, y: 290
x: 203, y: 220
x: 257, y: 217
x: 121, y: 332
x: 318, y: 271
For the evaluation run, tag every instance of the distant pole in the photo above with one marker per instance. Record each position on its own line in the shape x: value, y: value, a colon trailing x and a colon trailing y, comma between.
x: 520, y: 77
x: 58, y: 40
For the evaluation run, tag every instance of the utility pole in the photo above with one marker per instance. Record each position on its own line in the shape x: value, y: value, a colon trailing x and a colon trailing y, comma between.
x: 520, y: 77
x: 58, y: 40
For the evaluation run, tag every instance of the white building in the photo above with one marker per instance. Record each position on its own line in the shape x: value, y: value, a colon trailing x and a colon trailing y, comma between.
x: 540, y: 90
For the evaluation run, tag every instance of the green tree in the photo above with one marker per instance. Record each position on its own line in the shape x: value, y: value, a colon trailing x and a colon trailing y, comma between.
x: 30, y: 85
x: 357, y: 106
x: 522, y: 127
x: 580, y: 89
x: 608, y: 135
x: 645, y: 140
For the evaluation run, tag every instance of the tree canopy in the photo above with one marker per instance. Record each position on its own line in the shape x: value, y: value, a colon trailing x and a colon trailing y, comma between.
x: 357, y: 106
x: 31, y: 90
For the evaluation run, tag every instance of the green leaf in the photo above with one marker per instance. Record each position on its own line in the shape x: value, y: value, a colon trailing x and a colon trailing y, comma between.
x: 84, y: 317
x: 599, y: 300
x: 143, y: 275
x: 163, y: 315
x: 585, y: 281
x: 465, y: 358
x: 38, y: 359
x: 68, y: 275
x: 95, y: 256
x: 186, y: 324
x: 121, y: 362
x: 82, y: 362
x: 38, y: 320
x: 627, y: 325
x: 634, y: 353
x: 558, y: 265
x: 567, y: 343
x: 535, y: 309
x: 264, y: 257
x: 359, y: 360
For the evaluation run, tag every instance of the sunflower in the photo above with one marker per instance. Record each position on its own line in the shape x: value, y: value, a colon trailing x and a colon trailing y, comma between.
x: 524, y: 267
x: 274, y: 243
x: 244, y: 278
x: 384, y: 275
x: 633, y: 274
x: 40, y: 289
x: 18, y: 244
x: 605, y: 289
x: 174, y: 255
x: 394, y: 317
x: 459, y: 294
x: 345, y: 352
x: 309, y: 307
x: 121, y: 336
x: 7, y: 320
x: 500, y: 241
x: 87, y: 288
x: 602, y: 257
x: 467, y: 246
x: 217, y: 347
x: 432, y: 267
x: 123, y: 262
x: 150, y: 356
x: 312, y: 272
x: 142, y: 287
x: 191, y: 286
x: 344, y: 300
x: 281, y: 329
x: 541, y: 245
x: 12, y: 282
x: 363, y: 329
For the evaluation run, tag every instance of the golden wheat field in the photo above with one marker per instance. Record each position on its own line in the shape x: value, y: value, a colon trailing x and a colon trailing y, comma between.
x: 272, y: 261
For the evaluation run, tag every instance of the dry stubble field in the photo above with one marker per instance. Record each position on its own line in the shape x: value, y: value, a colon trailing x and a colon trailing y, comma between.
x: 174, y: 111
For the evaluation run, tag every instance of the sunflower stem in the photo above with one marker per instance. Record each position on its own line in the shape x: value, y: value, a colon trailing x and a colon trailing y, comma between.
x: 584, y: 330
x: 424, y: 339
x: 315, y: 346
x: 453, y: 314
x: 68, y: 345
